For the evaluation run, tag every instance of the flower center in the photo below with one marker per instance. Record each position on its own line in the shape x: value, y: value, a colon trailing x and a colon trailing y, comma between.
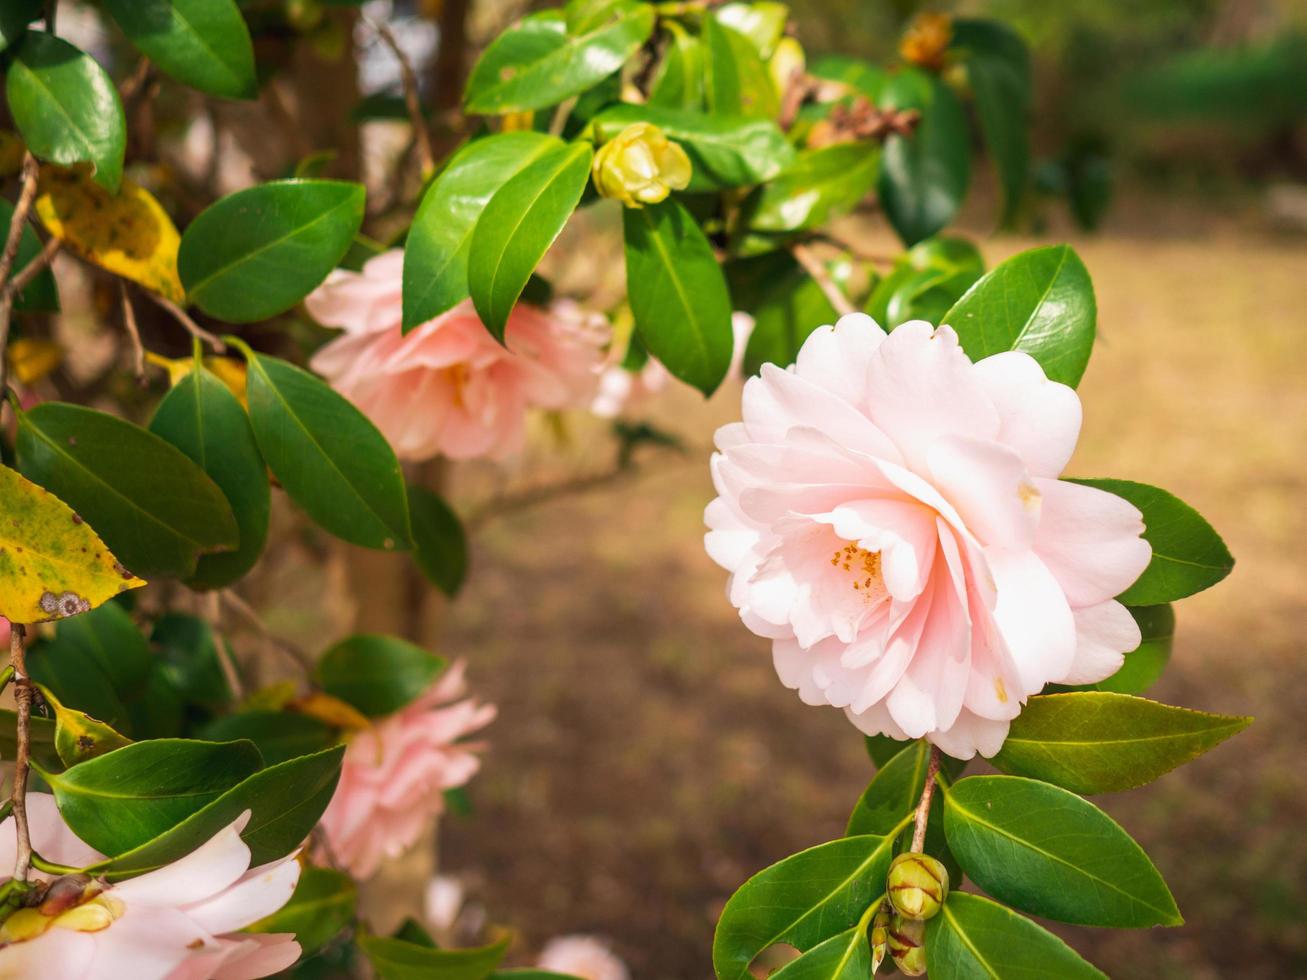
x: 863, y: 568
x: 90, y: 911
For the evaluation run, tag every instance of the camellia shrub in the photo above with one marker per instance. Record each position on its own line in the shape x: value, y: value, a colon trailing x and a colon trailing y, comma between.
x: 892, y: 507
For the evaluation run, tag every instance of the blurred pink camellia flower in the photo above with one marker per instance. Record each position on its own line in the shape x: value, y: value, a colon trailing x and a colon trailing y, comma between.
x: 448, y: 387
x: 582, y: 956
x: 177, y: 923
x: 395, y: 774
x: 893, y: 521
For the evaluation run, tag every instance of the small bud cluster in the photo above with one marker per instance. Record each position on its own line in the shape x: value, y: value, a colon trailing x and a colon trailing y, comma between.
x: 640, y: 166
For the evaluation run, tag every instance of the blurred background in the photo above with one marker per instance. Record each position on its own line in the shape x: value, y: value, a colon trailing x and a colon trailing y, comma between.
x: 646, y: 760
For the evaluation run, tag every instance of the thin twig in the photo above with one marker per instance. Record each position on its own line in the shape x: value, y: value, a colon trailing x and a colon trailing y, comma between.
x: 511, y: 502
x: 134, y: 334
x: 210, y: 603
x: 38, y: 264
x: 812, y: 265
x: 192, y: 328
x: 133, y: 82
x: 412, y: 99
x: 923, y: 806
x: 248, y: 613
x: 23, y: 700
x: 561, y: 114
x: 14, y: 236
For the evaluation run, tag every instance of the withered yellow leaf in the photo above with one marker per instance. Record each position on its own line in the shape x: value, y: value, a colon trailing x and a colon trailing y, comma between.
x: 78, y: 736
x: 52, y: 564
x: 128, y: 233
x: 228, y: 370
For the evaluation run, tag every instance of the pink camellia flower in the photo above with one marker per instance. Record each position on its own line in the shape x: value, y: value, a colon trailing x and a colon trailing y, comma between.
x: 448, y: 387
x: 893, y: 521
x: 177, y: 923
x: 395, y: 774
x: 584, y: 957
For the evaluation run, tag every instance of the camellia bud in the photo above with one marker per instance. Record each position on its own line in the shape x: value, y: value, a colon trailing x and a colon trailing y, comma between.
x: 926, y: 40
x: 879, y: 936
x: 907, y: 945
x: 917, y: 885
x: 640, y: 166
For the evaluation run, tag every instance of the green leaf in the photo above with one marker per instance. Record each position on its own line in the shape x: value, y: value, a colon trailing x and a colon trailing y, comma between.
x: 395, y: 959
x: 15, y: 15
x: 803, y: 900
x: 203, y: 43
x: 1099, y: 742
x: 517, y: 227
x: 678, y: 81
x: 440, y: 544
x: 843, y: 957
x: 924, y: 177
x: 893, y: 793
x: 678, y: 293
x: 761, y: 22
x: 792, y: 309
x: 816, y: 187
x: 538, y: 64
x: 321, y: 907
x: 975, y: 939
x: 40, y: 740
x: 724, y: 151
x: 998, y: 69
x: 438, y: 243
x: 926, y: 281
x: 93, y: 662
x: 120, y: 800
x: 377, y: 674
x: 189, y: 656
x: 1143, y: 665
x: 738, y: 83
x: 202, y: 418
x: 155, y: 509
x: 285, y: 801
x: 78, y: 736
x: 1046, y: 851
x: 1040, y: 301
x: 258, y: 252
x: 280, y: 735
x: 41, y: 295
x: 66, y: 107
x: 862, y: 75
x: 1188, y: 555
x: 327, y: 455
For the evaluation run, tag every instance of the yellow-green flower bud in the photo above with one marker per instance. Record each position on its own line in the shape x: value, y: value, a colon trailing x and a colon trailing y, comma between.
x: 640, y: 166
x: 917, y: 885
x: 907, y: 945
x: 787, y: 62
x: 879, y: 936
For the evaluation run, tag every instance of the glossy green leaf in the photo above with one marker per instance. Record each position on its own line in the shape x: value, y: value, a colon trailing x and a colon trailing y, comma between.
x: 280, y: 735
x: 1040, y: 301
x: 189, y: 657
x: 678, y: 294
x: 95, y: 661
x: 924, y: 176
x: 862, y: 75
x: 1145, y: 664
x: 724, y: 151
x: 41, y: 295
x: 258, y: 252
x: 803, y: 901
x: 1099, y: 742
x: 1188, y: 555
x: 157, y: 710
x: 40, y: 740
x: 678, y: 80
x: 15, y: 15
x: 155, y: 509
x: 395, y: 959
x: 285, y: 801
x: 817, y: 186
x: 203, y: 43
x: 66, y: 106
x: 893, y: 793
x: 377, y: 674
x: 973, y: 938
x: 843, y: 957
x: 321, y: 907
x: 738, y: 83
x: 792, y: 309
x: 439, y: 541
x: 761, y: 22
x: 538, y: 64
x: 438, y: 243
x: 120, y: 800
x: 78, y: 736
x: 327, y: 455
x: 517, y: 227
x: 202, y: 418
x: 1044, y: 850
x: 998, y: 70
x: 933, y: 273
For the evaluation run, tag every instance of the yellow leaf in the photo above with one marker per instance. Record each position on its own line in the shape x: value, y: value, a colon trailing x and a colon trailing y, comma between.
x: 52, y: 564
x: 129, y: 233
x: 228, y: 370
x: 78, y: 736
x: 31, y: 359
x: 11, y: 153
x: 333, y: 711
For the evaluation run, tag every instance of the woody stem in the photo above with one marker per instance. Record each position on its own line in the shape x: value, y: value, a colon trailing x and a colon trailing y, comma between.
x: 23, y: 700
x: 923, y: 806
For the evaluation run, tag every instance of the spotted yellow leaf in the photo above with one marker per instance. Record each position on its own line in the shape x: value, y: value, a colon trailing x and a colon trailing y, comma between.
x: 52, y: 564
x: 78, y: 736
x: 128, y: 233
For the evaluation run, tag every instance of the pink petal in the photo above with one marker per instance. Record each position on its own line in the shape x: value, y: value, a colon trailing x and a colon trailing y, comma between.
x: 1034, y: 618
x: 1039, y: 419
x: 1105, y: 633
x: 1091, y: 540
x: 50, y: 836
x: 257, y: 894
x: 776, y: 401
x: 203, y: 873
x: 836, y: 358
x: 259, y: 956
x: 988, y: 485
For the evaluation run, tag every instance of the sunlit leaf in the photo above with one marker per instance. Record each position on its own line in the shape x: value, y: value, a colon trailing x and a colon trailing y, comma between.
x: 203, y: 43
x: 973, y: 938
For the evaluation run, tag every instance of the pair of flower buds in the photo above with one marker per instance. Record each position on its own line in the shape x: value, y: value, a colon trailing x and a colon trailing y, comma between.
x: 914, y: 892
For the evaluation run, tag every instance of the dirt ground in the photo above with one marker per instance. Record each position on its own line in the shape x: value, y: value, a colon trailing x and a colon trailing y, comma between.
x: 647, y: 760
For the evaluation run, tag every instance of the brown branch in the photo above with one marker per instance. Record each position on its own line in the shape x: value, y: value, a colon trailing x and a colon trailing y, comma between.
x: 251, y: 617
x: 412, y: 100
x: 13, y: 239
x: 532, y: 496
x: 923, y: 806
x: 23, y: 700
x: 812, y: 265
x: 134, y: 82
x: 134, y: 334
x: 39, y: 262
x: 192, y: 328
